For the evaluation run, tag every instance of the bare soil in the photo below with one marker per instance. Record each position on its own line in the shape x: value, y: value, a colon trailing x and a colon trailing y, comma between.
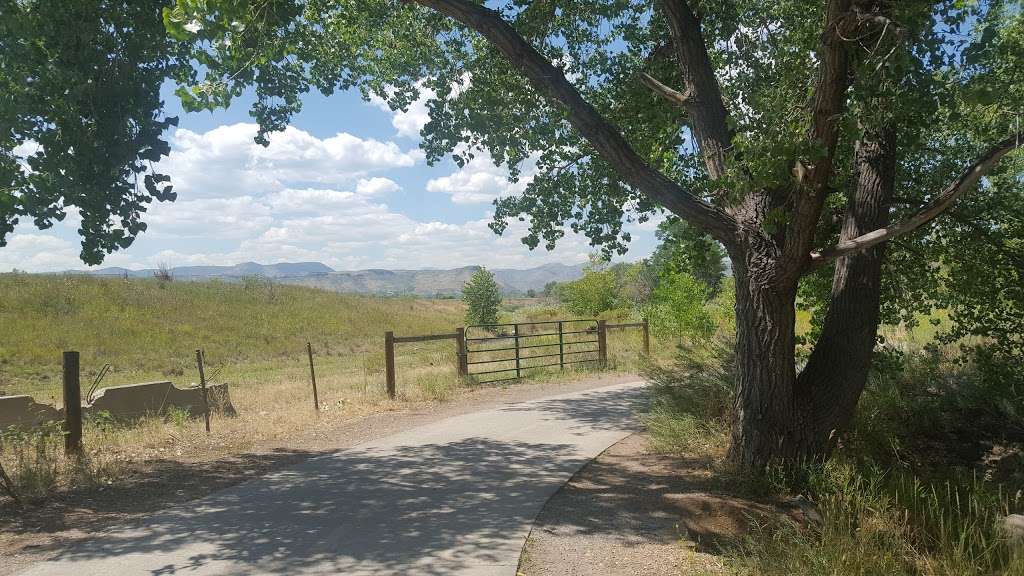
x: 36, y: 532
x: 634, y: 511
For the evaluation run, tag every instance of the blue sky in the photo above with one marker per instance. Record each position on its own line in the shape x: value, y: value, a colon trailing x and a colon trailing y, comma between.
x: 346, y: 185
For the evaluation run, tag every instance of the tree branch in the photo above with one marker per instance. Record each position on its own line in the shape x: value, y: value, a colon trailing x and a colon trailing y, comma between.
x: 829, y: 91
x: 935, y: 207
x: 703, y: 102
x: 673, y: 96
x: 828, y: 104
x: 598, y: 131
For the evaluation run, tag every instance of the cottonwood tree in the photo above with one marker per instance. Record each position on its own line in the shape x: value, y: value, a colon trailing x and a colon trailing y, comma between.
x: 482, y: 297
x: 81, y: 120
x: 802, y: 135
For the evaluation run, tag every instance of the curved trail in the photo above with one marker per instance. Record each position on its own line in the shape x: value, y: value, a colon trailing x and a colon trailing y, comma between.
x: 456, y: 496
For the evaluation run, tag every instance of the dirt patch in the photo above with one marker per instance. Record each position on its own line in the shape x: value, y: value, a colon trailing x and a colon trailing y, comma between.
x: 35, y: 533
x: 632, y: 511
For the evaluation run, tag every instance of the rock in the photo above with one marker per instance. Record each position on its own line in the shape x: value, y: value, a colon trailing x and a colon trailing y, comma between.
x: 1014, y: 527
x: 808, y: 510
x: 1004, y: 464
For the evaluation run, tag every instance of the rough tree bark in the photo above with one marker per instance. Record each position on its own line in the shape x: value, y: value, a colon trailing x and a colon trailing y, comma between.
x: 836, y: 372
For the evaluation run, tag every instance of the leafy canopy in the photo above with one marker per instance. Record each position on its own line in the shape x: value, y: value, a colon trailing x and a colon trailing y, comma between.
x: 80, y: 116
x: 948, y: 77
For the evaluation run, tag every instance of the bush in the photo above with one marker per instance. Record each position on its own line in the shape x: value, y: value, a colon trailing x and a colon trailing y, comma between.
x: 678, y: 307
x: 596, y: 292
x: 691, y: 399
x: 908, y: 491
x: 933, y: 409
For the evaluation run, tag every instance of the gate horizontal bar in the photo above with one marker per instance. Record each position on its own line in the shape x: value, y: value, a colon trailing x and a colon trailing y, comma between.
x: 594, y: 351
x: 426, y: 337
x: 531, y: 323
x: 527, y: 347
x: 566, y: 343
x: 521, y: 336
x: 526, y: 368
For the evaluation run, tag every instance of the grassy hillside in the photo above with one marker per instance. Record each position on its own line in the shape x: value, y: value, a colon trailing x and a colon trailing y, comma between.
x: 254, y: 334
x: 149, y: 329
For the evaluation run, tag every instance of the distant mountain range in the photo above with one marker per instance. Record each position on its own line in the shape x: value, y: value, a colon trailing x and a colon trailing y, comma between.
x: 388, y: 282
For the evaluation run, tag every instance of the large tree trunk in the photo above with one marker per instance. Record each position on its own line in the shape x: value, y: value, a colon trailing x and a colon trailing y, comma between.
x: 781, y: 417
x: 764, y: 409
x: 838, y: 368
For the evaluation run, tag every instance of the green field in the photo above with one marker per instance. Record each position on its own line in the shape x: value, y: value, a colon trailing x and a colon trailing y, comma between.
x: 147, y: 329
x: 254, y: 334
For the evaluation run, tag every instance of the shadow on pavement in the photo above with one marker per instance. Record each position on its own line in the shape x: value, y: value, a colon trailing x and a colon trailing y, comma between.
x: 434, y: 507
x: 600, y: 409
x: 325, y: 514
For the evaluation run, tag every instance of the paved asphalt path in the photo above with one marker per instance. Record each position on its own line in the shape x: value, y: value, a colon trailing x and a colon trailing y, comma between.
x: 455, y: 497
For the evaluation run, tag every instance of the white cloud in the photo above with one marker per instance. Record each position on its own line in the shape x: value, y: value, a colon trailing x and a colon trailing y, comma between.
x: 305, y: 199
x: 225, y: 161
x: 480, y: 181
x: 211, y: 218
x: 310, y: 200
x: 375, y: 186
x: 408, y: 123
x: 39, y: 253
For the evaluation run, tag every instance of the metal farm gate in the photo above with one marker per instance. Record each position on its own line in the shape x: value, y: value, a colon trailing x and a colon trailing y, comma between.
x: 497, y: 352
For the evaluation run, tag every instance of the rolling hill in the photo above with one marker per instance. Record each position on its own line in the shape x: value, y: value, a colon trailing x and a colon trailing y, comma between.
x: 428, y: 282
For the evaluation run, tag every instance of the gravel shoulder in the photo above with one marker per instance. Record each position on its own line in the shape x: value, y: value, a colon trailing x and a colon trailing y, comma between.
x: 632, y: 511
x: 39, y: 532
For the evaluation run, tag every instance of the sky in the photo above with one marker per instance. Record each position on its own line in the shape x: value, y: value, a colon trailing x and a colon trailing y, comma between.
x: 346, y: 184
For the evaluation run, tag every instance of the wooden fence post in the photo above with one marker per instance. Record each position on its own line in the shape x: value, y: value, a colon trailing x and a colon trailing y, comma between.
x: 515, y: 332
x: 200, y: 358
x: 312, y: 376
x: 72, y: 404
x: 561, y: 347
x: 389, y: 363
x: 602, y: 342
x: 647, y: 337
x: 461, y: 352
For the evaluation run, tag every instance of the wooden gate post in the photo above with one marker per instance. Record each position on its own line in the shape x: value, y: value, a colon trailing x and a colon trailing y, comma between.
x: 460, y: 352
x: 389, y: 363
x: 72, y: 404
x: 515, y: 331
x: 561, y: 346
x: 602, y: 342
x: 647, y: 337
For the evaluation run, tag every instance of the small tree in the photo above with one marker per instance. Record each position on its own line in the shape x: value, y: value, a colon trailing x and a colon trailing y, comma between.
x: 482, y: 298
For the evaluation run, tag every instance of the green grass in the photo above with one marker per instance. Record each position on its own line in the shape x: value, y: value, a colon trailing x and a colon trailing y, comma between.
x: 889, y: 523
x: 907, y: 492
x: 148, y: 329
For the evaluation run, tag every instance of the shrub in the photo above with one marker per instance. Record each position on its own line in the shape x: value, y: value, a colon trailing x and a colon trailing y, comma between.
x: 596, y: 292
x: 677, y: 307
x: 692, y: 397
x: 934, y: 409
